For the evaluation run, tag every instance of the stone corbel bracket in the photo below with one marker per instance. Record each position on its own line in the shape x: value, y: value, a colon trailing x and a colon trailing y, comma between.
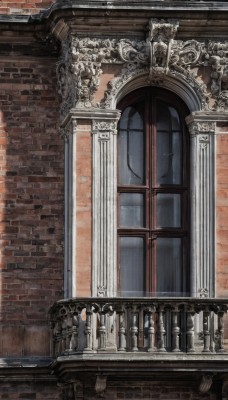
x: 101, y: 385
x: 205, y: 383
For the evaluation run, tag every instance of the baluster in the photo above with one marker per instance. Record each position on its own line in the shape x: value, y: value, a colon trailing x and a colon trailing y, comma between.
x: 102, y: 331
x: 74, y: 337
x: 88, y: 329
x: 161, y: 330
x: 221, y: 348
x: 57, y: 331
x: 134, y: 330
x: 175, y: 330
x: 206, y: 332
x: 68, y: 332
x: 122, y: 331
x: 150, y: 314
x: 141, y: 328
x: 64, y: 334
x: 190, y: 330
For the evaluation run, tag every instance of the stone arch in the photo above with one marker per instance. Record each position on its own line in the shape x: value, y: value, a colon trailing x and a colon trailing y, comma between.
x: 133, y: 77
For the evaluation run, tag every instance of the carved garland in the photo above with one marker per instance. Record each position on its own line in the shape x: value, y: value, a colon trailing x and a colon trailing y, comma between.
x: 80, y: 66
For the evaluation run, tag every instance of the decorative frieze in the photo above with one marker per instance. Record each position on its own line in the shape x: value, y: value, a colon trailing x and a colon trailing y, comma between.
x: 160, y: 54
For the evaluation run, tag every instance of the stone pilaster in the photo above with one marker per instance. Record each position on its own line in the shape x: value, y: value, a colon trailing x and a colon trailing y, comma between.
x: 202, y: 171
x: 69, y: 134
x: 104, y: 274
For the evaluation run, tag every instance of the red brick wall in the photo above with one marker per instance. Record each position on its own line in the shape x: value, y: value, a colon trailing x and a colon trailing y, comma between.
x: 84, y: 209
x: 23, y: 6
x: 29, y: 390
x: 222, y: 213
x: 31, y: 204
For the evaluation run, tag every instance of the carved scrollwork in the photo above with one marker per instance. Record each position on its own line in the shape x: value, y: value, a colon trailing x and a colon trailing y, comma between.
x: 221, y: 103
x: 79, y: 70
x: 101, y: 125
x: 156, y: 57
x: 201, y: 128
x: 133, y: 51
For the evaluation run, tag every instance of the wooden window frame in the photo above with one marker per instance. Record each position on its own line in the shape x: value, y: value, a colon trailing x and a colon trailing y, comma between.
x: 150, y: 189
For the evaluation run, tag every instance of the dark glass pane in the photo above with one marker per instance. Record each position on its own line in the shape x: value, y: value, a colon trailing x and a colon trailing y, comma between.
x: 169, y: 145
x: 131, y: 148
x: 175, y: 120
x: 168, y: 209
x: 132, y: 266
x: 169, y: 266
x: 132, y: 209
x: 163, y: 120
x: 169, y: 158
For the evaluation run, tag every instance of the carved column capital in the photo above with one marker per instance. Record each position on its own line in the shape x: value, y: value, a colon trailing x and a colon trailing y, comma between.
x: 200, y: 127
x: 104, y: 127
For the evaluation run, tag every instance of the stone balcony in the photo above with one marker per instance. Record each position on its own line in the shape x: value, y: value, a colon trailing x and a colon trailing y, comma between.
x: 139, y: 336
x: 153, y: 325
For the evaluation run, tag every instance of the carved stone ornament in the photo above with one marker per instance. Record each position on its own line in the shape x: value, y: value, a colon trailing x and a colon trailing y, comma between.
x: 79, y: 69
x: 202, y: 127
x: 158, y: 56
x: 205, y: 383
x: 101, y: 126
x: 101, y: 291
x: 161, y: 55
x: 203, y: 293
x: 160, y: 37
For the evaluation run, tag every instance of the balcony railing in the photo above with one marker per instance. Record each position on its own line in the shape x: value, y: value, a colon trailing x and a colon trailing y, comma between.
x: 154, y: 325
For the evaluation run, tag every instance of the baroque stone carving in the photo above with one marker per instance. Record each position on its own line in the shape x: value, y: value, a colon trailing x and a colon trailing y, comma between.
x: 159, y: 55
x: 101, y: 125
x: 201, y: 127
x: 160, y: 37
x: 79, y: 70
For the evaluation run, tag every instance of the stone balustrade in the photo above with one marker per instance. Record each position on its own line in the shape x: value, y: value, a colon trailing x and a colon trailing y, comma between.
x: 153, y: 325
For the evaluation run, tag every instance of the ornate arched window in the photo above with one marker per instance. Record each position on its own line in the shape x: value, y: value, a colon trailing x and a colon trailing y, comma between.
x: 153, y: 195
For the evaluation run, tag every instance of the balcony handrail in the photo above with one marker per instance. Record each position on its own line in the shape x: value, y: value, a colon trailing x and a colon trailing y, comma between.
x: 155, y: 324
